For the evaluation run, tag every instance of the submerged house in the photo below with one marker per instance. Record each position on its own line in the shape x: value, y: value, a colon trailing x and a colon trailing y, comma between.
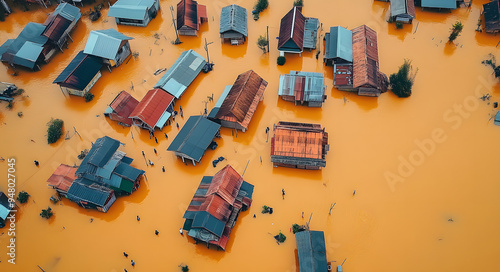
x: 134, y: 12
x: 233, y: 24
x: 62, y: 178
x: 303, y: 88
x: 5, y: 209
x: 214, y: 209
x: 182, y: 73
x: 194, y: 138
x: 80, y: 75
x: 311, y: 251
x: 110, y: 45
x: 90, y: 195
x: 37, y: 43
x: 438, y: 4
x: 299, y: 145
x: 240, y: 102
x: 338, y: 46
x: 153, y: 111
x: 491, y: 13
x: 297, y: 32
x: 121, y: 107
x: 402, y: 11
x: 190, y: 15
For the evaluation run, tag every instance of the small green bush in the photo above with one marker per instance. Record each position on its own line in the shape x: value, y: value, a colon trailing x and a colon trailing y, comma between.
x: 261, y: 5
x: 281, y: 60
x: 22, y: 197
x: 262, y: 43
x: 280, y: 238
x: 47, y: 213
x: 298, y: 3
x: 298, y: 228
x: 88, y: 97
x: 399, y: 25
x: 184, y: 268
x: 54, y: 131
x: 456, y: 29
x: 265, y: 209
x: 401, y: 82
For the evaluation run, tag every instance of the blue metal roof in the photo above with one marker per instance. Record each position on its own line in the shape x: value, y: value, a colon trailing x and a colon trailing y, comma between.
x: 339, y: 44
x: 497, y: 118
x: 31, y: 34
x: 79, y: 191
x: 195, y: 137
x: 219, y: 102
x: 67, y: 11
x: 233, y: 18
x: 184, y: 70
x: 449, y: 4
x: 131, y: 9
x: 128, y: 172
x: 4, y: 206
x: 311, y: 251
x: 99, y: 154
x: 311, y: 33
x: 80, y: 71
x: 204, y: 220
x: 104, y: 43
x: 28, y: 54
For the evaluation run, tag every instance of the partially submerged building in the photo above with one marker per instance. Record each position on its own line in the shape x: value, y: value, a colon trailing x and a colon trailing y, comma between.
x: 110, y: 45
x: 338, y: 46
x: 134, y: 12
x: 303, y: 88
x: 311, y: 251
x: 233, y: 24
x: 491, y: 13
x: 121, y: 107
x: 194, y: 138
x: 80, y: 75
x: 299, y: 145
x: 214, y: 209
x: 402, y: 11
x: 190, y: 15
x: 240, y: 102
x: 7, y: 91
x: 297, y: 32
x: 153, y: 111
x: 5, y: 208
x: 37, y: 43
x: 182, y: 73
x: 62, y: 178
x: 90, y: 195
x: 438, y: 4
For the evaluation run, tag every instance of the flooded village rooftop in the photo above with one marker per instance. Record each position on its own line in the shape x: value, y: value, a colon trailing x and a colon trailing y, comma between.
x: 407, y: 184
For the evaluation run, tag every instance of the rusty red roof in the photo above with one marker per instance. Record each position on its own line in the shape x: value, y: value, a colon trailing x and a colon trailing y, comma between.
x: 226, y: 183
x: 63, y: 177
x: 292, y: 28
x: 123, y: 105
x: 152, y: 107
x: 189, y: 13
x: 217, y: 207
x: 243, y: 99
x: 55, y: 29
x: 365, y: 57
x: 299, y: 140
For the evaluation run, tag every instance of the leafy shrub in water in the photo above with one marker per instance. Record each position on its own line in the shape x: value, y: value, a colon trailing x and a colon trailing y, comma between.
x: 54, y: 131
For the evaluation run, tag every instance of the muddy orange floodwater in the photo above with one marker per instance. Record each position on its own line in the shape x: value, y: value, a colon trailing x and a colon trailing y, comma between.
x: 408, y: 181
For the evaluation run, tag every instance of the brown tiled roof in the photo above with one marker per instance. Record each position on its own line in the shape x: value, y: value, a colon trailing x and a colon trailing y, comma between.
x: 292, y: 27
x: 63, y: 177
x: 187, y: 14
x: 243, y: 98
x: 365, y: 57
x: 226, y: 184
x: 123, y: 105
x: 152, y: 106
x: 55, y: 29
x: 299, y: 140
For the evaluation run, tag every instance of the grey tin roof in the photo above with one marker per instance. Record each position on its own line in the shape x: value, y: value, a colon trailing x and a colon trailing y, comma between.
x: 104, y: 43
x: 233, y: 18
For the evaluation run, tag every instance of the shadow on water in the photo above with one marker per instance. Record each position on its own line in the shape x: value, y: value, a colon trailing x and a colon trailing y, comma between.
x: 293, y: 62
x: 247, y: 137
x: 234, y: 51
x: 300, y: 111
x: 364, y: 102
x: 148, y: 31
x: 117, y: 127
x: 484, y: 39
x: 449, y: 48
x: 298, y: 173
x: 400, y: 33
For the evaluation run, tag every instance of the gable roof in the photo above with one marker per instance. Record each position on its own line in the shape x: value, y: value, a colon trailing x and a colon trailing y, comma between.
x: 233, y: 18
x: 305, y: 86
x: 65, y: 10
x: 94, y: 193
x: 292, y: 28
x: 152, y: 107
x: 99, y: 155
x: 79, y: 72
x: 226, y: 183
x: 104, y: 43
x: 449, y: 4
x: 122, y: 106
x: 298, y: 140
x: 56, y: 28
x: 365, y: 57
x: 63, y: 177
x: 311, y: 251
x: 204, y: 220
x: 187, y: 14
x: 26, y: 49
x: 182, y: 73
x: 339, y: 44
x: 241, y: 101
x: 400, y: 7
x: 195, y: 137
x: 130, y: 9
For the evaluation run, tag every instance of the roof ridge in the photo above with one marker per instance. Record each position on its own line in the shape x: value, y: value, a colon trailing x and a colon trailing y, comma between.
x: 190, y: 131
x: 241, y: 91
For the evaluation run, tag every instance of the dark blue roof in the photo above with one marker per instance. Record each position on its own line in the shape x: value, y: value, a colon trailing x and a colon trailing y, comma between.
x: 99, y: 154
x: 248, y: 188
x: 80, y: 71
x: 204, y: 220
x: 128, y: 172
x: 80, y: 190
x: 30, y: 40
x: 195, y: 137
x: 312, y: 251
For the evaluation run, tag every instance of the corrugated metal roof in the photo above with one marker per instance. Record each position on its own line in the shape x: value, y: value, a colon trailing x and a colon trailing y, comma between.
x: 311, y: 33
x: 67, y: 11
x: 122, y: 106
x: 93, y: 193
x: 63, y: 177
x: 187, y: 14
x: 491, y: 16
x: 313, y: 87
x: 402, y: 7
x: 182, y: 73
x: 4, y: 206
x: 104, y: 43
x: 449, y: 4
x: 365, y: 57
x: 195, y: 137
x: 298, y: 140
x: 292, y: 28
x: 311, y: 251
x: 233, y: 18
x: 131, y: 9
x: 79, y: 72
x: 99, y: 154
x: 217, y: 207
x: 339, y: 44
x: 152, y: 107
x: 28, y: 54
x: 221, y: 99
x: 128, y: 172
x: 204, y: 220
x: 56, y: 28
x: 26, y: 49
x: 226, y: 183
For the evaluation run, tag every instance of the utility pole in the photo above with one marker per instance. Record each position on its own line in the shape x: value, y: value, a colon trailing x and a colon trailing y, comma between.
x: 208, y: 66
x: 177, y: 41
x: 206, y: 49
x: 267, y: 39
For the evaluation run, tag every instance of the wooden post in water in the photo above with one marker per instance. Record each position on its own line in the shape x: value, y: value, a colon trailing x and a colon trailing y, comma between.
x: 245, y: 168
x: 331, y: 207
x: 267, y: 39
x: 40, y: 268
x: 177, y: 41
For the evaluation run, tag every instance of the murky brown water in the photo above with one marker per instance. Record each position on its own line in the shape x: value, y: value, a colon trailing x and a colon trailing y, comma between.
x: 387, y: 226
